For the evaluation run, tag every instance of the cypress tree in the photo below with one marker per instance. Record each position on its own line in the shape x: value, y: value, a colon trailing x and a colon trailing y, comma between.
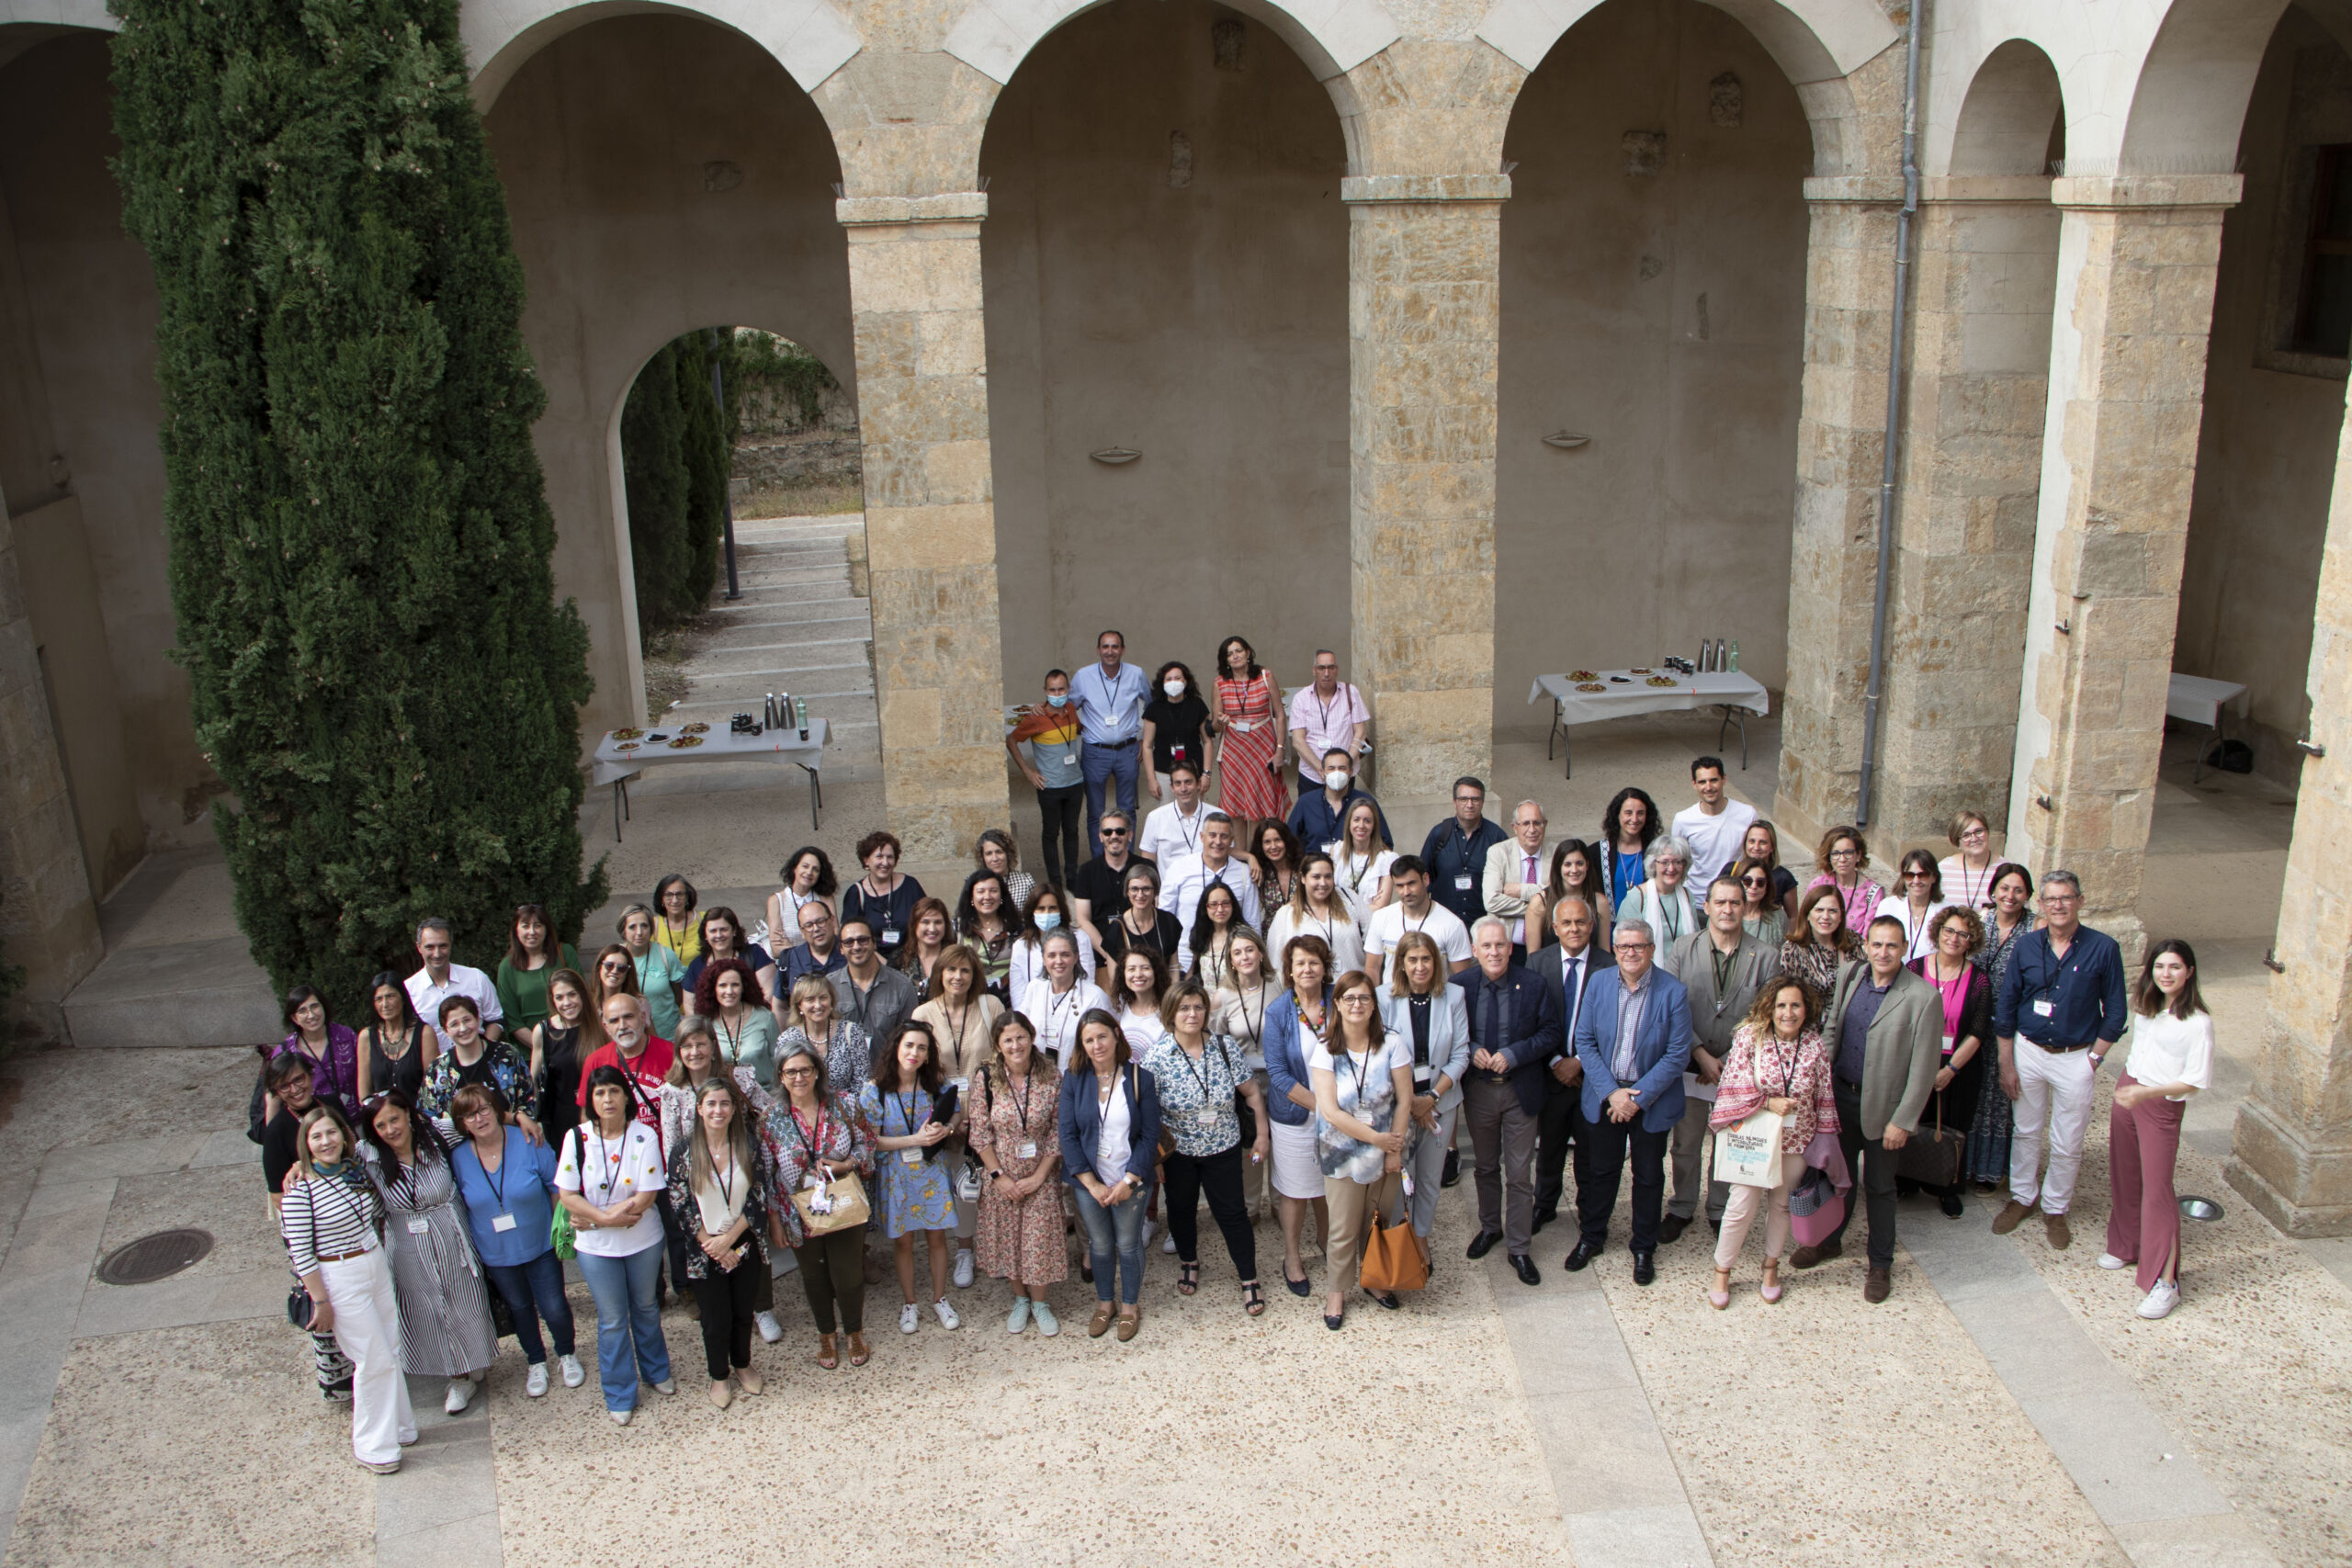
x: 359, y: 538
x: 708, y: 460
x: 653, y: 473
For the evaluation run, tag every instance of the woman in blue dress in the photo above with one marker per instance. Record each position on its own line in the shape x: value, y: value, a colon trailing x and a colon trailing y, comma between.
x: 918, y: 1189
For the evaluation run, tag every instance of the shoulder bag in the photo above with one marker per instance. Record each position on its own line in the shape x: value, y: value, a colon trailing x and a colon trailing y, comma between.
x: 1393, y: 1259
x: 828, y: 1206
x: 560, y: 1235
x: 1931, y: 1156
x: 302, y: 1311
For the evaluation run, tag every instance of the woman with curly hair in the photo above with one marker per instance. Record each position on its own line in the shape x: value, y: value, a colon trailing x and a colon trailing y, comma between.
x: 1778, y: 1063
x: 884, y: 898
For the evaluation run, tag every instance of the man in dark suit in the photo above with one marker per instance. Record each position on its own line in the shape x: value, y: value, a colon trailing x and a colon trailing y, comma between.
x: 1635, y: 1042
x: 1566, y: 970
x: 1514, y: 1033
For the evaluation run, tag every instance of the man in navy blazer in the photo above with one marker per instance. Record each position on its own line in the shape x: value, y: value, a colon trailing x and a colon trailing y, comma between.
x: 1514, y: 1034
x: 1634, y: 1039
x: 1578, y: 953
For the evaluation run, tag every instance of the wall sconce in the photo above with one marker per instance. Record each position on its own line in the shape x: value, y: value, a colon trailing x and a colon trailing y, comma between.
x: 1567, y: 440
x: 1113, y: 456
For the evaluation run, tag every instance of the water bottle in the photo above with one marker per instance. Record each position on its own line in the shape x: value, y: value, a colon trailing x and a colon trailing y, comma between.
x: 1735, y: 655
x: 767, y: 719
x: 800, y: 716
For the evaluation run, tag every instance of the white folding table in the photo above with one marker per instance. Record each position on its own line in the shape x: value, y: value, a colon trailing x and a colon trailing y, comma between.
x: 2199, y: 699
x: 1624, y: 693
x: 618, y: 761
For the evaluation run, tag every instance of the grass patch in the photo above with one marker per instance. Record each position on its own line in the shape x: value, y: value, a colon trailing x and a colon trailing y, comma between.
x: 801, y: 501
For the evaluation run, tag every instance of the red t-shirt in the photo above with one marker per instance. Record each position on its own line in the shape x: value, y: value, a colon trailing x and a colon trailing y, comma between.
x: 652, y: 1065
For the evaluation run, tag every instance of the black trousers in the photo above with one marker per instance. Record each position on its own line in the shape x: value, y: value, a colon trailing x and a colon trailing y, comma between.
x: 1061, y: 810
x: 1873, y: 1170
x: 726, y: 1310
x: 1219, y: 1176
x: 1610, y: 1143
x: 832, y: 1270
x: 1559, y: 1132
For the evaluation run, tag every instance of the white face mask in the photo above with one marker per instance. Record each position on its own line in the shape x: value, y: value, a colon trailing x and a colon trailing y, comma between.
x: 1336, y: 779
x: 1175, y: 690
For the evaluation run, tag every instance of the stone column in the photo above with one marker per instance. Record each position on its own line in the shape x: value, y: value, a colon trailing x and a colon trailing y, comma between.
x: 914, y: 274
x: 1975, y: 399
x: 2293, y: 1146
x: 1833, y: 555
x: 2137, y: 256
x: 49, y: 925
x: 1423, y: 314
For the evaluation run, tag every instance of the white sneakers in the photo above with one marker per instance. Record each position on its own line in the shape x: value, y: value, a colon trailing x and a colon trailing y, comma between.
x: 2109, y: 1261
x: 770, y: 1329
x: 1168, y: 1244
x: 911, y: 1316
x: 910, y: 1319
x: 461, y: 1393
x: 947, y: 1318
x: 572, y: 1375
x: 535, y: 1384
x: 964, y: 1269
x: 2162, y: 1299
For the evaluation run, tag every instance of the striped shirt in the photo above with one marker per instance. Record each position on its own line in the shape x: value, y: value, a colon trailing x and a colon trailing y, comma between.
x: 328, y: 1219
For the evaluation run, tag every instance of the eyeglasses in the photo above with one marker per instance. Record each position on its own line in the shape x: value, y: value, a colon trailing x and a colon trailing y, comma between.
x: 1355, y: 999
x: 858, y: 942
x: 1845, y: 854
x: 1754, y: 879
x: 797, y: 1073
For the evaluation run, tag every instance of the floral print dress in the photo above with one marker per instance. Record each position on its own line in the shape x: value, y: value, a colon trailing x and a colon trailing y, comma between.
x: 1018, y: 1241
x: 917, y: 1194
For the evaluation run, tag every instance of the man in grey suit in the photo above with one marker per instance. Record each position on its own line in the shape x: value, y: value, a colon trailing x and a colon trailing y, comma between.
x: 1722, y: 967
x: 1885, y: 1033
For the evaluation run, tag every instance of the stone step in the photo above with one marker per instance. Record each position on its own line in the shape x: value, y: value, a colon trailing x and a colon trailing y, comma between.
x: 177, y: 994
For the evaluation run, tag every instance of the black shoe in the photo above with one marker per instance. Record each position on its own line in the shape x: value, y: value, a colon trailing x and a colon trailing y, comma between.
x: 1670, y: 1229
x: 1526, y: 1268
x: 1586, y: 1251
x: 1546, y: 1216
x: 1453, y: 1172
x: 1952, y: 1205
x: 1302, y: 1286
x: 1645, y: 1267
x: 1388, y: 1299
x: 1481, y: 1244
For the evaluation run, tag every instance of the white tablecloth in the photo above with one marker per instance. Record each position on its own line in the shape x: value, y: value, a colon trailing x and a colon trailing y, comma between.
x: 718, y: 745
x: 1718, y: 687
x: 2194, y: 699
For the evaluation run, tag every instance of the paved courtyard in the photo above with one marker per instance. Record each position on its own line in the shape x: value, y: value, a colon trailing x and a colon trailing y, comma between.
x: 2005, y: 1407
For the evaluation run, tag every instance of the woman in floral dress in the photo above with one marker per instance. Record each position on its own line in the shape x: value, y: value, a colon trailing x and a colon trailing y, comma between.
x: 1989, y: 1134
x: 1015, y: 1105
x: 1248, y: 721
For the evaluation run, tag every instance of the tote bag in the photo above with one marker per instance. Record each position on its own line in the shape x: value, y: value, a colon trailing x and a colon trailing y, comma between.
x: 1392, y: 1259
x: 1749, y: 1152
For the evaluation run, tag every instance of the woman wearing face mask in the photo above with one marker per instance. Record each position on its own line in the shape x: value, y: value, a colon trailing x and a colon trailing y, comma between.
x: 330, y: 1218
x: 1249, y: 726
x: 1046, y: 912
x: 1175, y: 726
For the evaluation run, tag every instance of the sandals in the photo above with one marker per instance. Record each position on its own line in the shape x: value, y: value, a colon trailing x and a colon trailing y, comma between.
x: 1188, y: 1279
x: 1253, y: 1301
x: 858, y: 1352
x: 827, y: 1353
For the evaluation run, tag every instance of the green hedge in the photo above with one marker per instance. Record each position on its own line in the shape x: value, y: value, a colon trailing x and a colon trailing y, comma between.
x: 359, y: 538
x: 675, y: 463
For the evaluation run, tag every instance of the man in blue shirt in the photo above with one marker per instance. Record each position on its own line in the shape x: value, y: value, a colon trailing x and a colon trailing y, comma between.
x: 2061, y: 1009
x: 1455, y: 851
x: 1319, y: 819
x: 1110, y: 697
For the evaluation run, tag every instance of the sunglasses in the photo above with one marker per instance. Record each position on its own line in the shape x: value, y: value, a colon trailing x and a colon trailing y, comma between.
x: 858, y: 942
x: 1114, y: 832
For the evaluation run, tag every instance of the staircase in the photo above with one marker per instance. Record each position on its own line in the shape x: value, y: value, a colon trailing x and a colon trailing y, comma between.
x: 797, y: 628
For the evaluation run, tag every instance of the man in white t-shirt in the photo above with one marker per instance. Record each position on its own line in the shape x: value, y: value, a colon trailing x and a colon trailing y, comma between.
x: 1715, y: 828
x: 1184, y: 879
x: 1414, y: 910
x: 440, y: 979
x: 1173, y: 829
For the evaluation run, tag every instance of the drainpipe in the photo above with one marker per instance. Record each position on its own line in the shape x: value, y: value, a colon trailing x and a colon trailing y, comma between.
x: 719, y: 339
x: 1875, y: 692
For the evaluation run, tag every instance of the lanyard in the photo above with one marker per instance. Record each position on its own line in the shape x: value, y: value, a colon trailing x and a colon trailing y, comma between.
x: 1192, y: 839
x: 814, y: 1144
x: 608, y: 1163
x: 725, y: 1180
x: 1054, y: 1011
x: 906, y: 1110
x: 498, y: 1182
x: 1198, y: 1069
x: 1357, y: 870
x: 1326, y: 707
x: 1789, y: 1078
x: 1021, y: 1095
x: 1360, y: 1069
x: 730, y: 1039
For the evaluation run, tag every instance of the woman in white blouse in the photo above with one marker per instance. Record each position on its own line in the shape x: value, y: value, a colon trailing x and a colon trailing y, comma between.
x: 2171, y: 1058
x: 1918, y: 895
x: 1057, y: 999
x: 1663, y: 901
x: 1361, y: 857
x: 1317, y: 909
x: 610, y: 1175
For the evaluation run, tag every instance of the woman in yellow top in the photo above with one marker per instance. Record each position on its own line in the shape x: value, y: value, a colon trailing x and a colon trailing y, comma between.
x: 962, y: 1015
x: 675, y: 926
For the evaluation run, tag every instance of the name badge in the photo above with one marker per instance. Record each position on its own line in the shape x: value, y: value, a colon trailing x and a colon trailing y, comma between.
x: 1027, y: 1150
x: 1421, y: 1079
x: 502, y: 1222
x: 418, y: 1225
x: 1462, y: 882
x: 961, y: 1086
x: 1069, y: 759
x: 2044, y: 1006
x: 910, y: 1156
x: 1177, y: 753
x: 1205, y: 1118
x: 1243, y: 726
x: 1951, y: 1044
x: 890, y: 937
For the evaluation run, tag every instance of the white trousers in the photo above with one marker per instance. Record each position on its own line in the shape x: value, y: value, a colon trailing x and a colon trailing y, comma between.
x: 367, y: 1328
x: 2055, y: 1091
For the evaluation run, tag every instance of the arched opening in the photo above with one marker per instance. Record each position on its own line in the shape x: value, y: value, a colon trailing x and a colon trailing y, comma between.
x: 2012, y: 122
x: 663, y: 173
x: 1165, y: 272
x: 1653, y: 303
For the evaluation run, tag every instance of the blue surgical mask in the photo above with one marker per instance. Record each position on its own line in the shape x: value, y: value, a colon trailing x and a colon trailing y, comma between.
x: 1057, y: 702
x: 1047, y: 920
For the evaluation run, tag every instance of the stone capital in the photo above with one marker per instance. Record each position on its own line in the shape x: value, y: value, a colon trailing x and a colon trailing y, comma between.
x: 2094, y: 192
x: 947, y: 207
x: 1412, y: 189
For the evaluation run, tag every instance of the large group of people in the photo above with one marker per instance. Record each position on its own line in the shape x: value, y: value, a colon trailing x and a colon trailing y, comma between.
x: 1255, y: 1003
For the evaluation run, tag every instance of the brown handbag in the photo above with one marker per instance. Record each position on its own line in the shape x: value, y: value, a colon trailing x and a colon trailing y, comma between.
x: 1932, y: 1156
x: 1393, y: 1259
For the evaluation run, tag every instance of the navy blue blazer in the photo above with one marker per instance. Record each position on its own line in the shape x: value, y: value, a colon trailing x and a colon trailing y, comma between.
x: 1080, y: 1118
x: 1546, y: 963
x: 1661, y: 1048
x: 1535, y: 1036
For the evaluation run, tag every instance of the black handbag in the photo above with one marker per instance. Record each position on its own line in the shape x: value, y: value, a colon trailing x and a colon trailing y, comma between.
x: 1932, y: 1156
x: 1241, y: 1110
x: 300, y: 1310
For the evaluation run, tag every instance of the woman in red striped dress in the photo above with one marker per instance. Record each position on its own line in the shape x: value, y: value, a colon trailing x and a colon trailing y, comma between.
x: 1248, y: 720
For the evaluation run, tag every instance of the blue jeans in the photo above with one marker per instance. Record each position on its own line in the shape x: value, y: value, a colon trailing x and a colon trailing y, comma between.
x: 1119, y: 1228
x: 534, y: 1291
x: 625, y: 1310
x: 1100, y: 764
